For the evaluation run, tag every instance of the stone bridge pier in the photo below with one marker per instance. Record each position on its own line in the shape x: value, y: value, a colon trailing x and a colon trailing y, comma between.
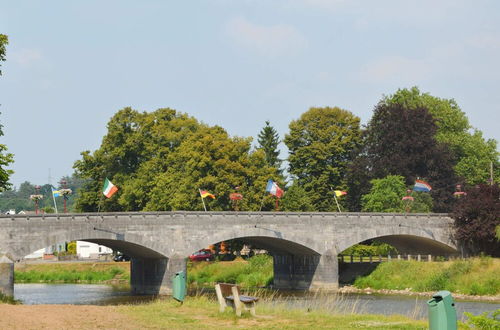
x: 154, y: 276
x: 306, y: 272
x: 6, y: 276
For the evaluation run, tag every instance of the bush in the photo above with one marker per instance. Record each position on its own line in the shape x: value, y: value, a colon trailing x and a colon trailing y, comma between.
x: 485, y: 320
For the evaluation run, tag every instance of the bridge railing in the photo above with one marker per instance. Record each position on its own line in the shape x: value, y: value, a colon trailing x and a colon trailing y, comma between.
x: 379, y: 258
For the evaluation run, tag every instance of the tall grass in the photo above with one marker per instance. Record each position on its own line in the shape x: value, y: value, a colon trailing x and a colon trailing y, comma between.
x: 8, y: 300
x: 478, y: 276
x: 256, y: 272
x: 70, y: 273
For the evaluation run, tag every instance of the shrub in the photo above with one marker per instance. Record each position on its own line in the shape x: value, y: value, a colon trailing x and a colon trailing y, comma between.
x: 485, y: 320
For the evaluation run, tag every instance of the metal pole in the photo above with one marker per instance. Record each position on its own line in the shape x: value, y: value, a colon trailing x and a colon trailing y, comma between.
x: 335, y: 197
x: 54, y: 198
x: 204, y: 206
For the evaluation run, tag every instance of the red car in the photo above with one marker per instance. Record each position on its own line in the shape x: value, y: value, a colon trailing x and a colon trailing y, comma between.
x: 202, y: 255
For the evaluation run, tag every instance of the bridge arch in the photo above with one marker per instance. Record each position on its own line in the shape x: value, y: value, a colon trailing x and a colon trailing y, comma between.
x: 270, y: 240
x: 405, y: 239
x: 140, y: 246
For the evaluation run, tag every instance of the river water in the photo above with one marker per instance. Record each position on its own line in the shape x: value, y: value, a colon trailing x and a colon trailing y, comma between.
x: 96, y: 294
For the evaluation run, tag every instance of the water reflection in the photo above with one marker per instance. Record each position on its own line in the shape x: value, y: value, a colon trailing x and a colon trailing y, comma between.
x: 76, y: 294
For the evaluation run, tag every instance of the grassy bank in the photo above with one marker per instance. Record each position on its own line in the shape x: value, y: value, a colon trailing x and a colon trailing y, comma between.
x: 477, y: 276
x: 7, y: 300
x: 256, y: 272
x: 202, y: 313
x: 99, y: 272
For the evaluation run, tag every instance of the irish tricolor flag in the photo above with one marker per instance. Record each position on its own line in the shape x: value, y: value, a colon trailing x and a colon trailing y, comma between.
x: 108, y: 189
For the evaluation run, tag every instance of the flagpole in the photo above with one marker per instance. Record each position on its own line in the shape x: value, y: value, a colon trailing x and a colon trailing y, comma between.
x: 204, y: 206
x: 54, y: 198
x: 335, y: 197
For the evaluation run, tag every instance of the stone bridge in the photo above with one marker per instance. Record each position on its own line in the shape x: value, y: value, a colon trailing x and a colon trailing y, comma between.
x: 304, y: 246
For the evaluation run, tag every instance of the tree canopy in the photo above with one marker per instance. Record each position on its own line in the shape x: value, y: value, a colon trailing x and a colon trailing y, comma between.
x: 159, y: 160
x: 472, y: 152
x: 268, y: 140
x: 400, y: 141
x: 5, y: 158
x: 386, y: 196
x: 4, y: 41
x: 320, y: 147
x: 477, y: 217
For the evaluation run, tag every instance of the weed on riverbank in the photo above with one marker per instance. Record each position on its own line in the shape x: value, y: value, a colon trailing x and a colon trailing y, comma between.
x: 201, y: 312
x: 256, y: 272
x: 8, y: 300
x: 72, y: 273
x: 476, y: 276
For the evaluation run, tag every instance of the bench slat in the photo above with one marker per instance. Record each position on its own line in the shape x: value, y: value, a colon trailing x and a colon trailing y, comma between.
x: 244, y: 299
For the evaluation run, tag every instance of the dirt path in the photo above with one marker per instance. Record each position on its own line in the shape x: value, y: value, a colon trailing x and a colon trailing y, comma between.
x: 63, y: 317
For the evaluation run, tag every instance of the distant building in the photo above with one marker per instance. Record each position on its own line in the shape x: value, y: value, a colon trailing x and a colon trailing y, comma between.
x: 86, y: 250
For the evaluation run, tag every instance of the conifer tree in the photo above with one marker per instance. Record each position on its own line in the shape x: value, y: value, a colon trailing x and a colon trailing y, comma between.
x: 268, y: 142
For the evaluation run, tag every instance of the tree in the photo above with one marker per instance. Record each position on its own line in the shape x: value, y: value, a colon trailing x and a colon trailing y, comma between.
x: 268, y: 140
x: 386, y: 196
x: 320, y: 146
x: 5, y: 157
x: 159, y: 160
x: 400, y: 141
x: 296, y: 199
x: 477, y: 215
x: 4, y: 41
x: 473, y: 153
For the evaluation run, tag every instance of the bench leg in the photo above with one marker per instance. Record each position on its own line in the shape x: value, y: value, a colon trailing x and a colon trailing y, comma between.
x: 237, y: 307
x: 252, y: 309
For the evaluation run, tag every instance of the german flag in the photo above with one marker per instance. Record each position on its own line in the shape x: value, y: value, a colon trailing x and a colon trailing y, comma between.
x: 204, y: 193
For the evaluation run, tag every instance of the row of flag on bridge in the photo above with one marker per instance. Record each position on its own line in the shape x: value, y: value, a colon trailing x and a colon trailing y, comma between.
x: 109, y: 189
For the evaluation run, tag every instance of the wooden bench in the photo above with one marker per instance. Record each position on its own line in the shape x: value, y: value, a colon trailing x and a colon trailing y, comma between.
x: 229, y: 295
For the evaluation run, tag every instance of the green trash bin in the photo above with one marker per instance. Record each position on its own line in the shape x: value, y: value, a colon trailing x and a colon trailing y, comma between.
x: 442, y: 313
x: 179, y: 286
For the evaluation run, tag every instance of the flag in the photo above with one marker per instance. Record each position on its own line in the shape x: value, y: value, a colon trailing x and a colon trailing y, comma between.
x: 55, y: 193
x: 339, y: 193
x: 205, y: 193
x: 422, y: 186
x: 108, y: 189
x: 274, y: 189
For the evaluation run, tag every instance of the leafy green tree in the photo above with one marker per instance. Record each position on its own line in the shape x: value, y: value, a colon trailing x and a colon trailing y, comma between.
x: 473, y: 153
x: 400, y: 141
x: 296, y: 199
x: 214, y: 162
x: 385, y: 195
x: 5, y: 157
x: 476, y: 219
x: 159, y: 160
x: 268, y: 140
x: 320, y: 146
x: 4, y: 41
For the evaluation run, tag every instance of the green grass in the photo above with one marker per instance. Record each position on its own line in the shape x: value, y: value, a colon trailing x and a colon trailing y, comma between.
x: 72, y: 273
x: 256, y: 272
x: 477, y: 276
x: 8, y: 300
x: 201, y: 312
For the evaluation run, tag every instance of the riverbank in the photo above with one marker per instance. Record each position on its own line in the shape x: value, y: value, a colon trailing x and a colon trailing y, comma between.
x: 470, y: 278
x: 73, y: 272
x: 196, y: 313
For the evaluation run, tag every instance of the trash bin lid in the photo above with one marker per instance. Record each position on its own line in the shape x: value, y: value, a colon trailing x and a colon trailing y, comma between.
x: 441, y: 294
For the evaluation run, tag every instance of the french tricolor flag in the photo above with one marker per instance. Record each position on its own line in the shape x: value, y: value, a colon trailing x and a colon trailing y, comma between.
x: 273, y: 189
x: 421, y: 185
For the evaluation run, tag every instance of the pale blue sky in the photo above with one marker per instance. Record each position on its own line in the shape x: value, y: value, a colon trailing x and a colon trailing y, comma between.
x: 72, y: 64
